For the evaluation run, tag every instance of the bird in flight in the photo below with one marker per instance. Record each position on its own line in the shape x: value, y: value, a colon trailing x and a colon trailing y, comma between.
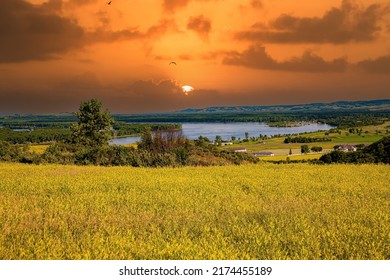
x: 174, y: 63
x: 109, y: 3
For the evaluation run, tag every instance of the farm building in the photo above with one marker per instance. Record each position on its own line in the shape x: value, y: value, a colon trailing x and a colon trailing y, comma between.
x: 347, y: 148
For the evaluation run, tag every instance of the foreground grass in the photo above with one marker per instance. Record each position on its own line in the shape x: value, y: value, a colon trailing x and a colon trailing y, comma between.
x: 263, y: 211
x: 38, y: 148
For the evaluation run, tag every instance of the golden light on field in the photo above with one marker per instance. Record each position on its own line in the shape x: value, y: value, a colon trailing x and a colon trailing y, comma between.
x: 187, y: 89
x: 293, y: 209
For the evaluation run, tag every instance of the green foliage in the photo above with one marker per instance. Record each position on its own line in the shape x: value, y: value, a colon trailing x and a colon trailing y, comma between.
x: 59, y: 152
x: 93, y: 128
x: 34, y: 136
x: 218, y: 140
x: 146, y: 142
x: 380, y: 150
x: 202, y: 141
x: 9, y: 152
x: 37, y: 121
x: 301, y: 139
x: 305, y: 149
x: 316, y: 149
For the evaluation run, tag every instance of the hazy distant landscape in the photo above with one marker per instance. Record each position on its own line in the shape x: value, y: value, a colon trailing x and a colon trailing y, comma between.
x: 371, y: 105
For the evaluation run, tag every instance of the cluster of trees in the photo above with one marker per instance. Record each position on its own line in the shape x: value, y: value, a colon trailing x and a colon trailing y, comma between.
x: 10, y: 152
x: 34, y: 136
x: 354, y: 119
x: 301, y: 139
x: 305, y: 149
x: 378, y: 152
x: 37, y: 121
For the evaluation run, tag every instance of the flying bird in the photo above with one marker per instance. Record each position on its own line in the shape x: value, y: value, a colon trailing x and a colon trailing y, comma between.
x: 109, y: 3
x: 174, y: 63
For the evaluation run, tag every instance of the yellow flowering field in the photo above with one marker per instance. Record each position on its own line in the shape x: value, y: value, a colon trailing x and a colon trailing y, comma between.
x: 262, y: 211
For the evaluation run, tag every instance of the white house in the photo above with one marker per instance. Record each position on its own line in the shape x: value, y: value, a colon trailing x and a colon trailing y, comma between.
x: 347, y: 148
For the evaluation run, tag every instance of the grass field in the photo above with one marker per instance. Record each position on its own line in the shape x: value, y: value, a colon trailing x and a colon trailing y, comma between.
x: 263, y: 211
x: 38, y: 148
x: 292, y: 157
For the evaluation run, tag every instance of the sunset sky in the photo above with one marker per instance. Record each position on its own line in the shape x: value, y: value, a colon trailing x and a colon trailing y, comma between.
x: 56, y: 53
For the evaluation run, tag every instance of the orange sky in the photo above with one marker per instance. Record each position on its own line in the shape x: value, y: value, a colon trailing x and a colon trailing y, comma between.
x: 56, y: 53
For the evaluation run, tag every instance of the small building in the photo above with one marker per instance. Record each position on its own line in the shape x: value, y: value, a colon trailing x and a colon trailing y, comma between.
x: 347, y: 148
x: 263, y: 154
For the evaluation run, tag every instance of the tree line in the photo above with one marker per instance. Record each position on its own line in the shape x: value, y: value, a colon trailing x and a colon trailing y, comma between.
x: 301, y: 139
x: 50, y: 134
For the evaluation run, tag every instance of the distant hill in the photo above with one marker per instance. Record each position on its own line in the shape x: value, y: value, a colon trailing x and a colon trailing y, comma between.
x: 371, y: 105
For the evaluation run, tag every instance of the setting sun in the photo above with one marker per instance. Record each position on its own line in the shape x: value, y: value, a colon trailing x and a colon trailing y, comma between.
x: 187, y: 89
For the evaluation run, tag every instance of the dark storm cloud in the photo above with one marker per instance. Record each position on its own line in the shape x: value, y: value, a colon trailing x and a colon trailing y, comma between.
x: 256, y: 57
x: 38, y: 32
x: 34, y: 32
x: 337, y: 26
x: 200, y: 25
x: 380, y: 65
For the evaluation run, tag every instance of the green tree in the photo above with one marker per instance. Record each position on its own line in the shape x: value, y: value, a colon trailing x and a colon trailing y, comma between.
x: 93, y: 127
x: 305, y: 149
x: 218, y: 140
x: 316, y: 149
x: 146, y: 142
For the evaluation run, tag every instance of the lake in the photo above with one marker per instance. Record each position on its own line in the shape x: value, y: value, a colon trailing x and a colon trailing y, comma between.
x: 227, y: 130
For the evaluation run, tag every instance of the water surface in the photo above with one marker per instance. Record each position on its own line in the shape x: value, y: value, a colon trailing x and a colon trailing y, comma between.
x: 236, y: 129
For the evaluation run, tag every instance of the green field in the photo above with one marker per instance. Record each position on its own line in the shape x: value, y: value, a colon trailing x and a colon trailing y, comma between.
x: 292, y: 157
x: 263, y: 211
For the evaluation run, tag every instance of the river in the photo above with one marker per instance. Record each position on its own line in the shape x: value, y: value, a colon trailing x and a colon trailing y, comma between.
x: 227, y: 130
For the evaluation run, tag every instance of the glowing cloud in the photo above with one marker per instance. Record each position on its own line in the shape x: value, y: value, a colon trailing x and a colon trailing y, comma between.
x: 187, y: 89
